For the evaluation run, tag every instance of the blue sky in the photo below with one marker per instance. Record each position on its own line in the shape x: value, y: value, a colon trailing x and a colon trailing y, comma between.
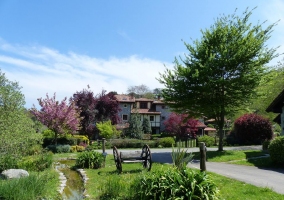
x: 62, y: 46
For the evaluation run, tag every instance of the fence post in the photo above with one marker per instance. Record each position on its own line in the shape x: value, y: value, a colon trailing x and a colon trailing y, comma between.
x: 202, y: 156
x: 104, y: 145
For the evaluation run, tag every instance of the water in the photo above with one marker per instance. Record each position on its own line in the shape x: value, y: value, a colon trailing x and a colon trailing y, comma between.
x: 74, y: 188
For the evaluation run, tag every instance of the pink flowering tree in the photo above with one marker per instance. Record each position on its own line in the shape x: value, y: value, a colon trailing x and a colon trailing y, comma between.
x: 181, y: 125
x: 60, y: 117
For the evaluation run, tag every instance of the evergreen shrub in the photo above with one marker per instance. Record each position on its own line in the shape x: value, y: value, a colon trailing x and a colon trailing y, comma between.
x: 166, y: 142
x: 276, y: 150
x: 208, y: 140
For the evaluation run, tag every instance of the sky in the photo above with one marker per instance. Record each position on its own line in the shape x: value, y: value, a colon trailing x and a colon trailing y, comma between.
x: 52, y: 46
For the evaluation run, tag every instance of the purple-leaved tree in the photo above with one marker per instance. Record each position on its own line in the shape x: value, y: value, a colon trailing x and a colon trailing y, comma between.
x: 61, y: 117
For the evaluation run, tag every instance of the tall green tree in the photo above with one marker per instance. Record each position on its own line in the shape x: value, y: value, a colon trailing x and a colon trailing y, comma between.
x: 135, y: 129
x: 146, y: 126
x: 221, y: 70
x: 17, y: 131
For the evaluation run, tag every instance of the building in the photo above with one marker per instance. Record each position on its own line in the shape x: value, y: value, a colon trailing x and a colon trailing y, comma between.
x: 277, y: 106
x: 155, y: 110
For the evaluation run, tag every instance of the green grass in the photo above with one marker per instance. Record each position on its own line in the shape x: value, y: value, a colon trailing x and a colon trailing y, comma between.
x: 41, y: 185
x: 107, y: 179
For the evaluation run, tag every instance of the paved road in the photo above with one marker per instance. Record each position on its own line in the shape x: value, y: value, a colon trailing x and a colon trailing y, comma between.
x: 270, y: 178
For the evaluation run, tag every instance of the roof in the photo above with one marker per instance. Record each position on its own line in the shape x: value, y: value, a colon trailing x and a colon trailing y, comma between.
x: 124, y: 98
x: 200, y: 125
x: 144, y: 99
x: 209, y: 129
x: 145, y: 111
x: 277, y: 104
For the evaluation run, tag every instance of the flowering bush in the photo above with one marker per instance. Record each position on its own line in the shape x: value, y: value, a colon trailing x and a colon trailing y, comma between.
x: 252, y: 129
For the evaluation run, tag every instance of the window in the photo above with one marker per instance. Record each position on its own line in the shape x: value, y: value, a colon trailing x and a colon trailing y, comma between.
x: 163, y: 107
x: 151, y: 118
x: 163, y: 117
x: 125, y: 106
x: 124, y: 117
x: 143, y: 104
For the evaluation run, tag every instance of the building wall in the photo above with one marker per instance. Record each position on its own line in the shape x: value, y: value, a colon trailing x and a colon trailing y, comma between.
x: 165, y: 114
x: 125, y: 110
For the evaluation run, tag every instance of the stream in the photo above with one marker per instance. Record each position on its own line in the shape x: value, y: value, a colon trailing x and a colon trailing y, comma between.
x: 74, y: 188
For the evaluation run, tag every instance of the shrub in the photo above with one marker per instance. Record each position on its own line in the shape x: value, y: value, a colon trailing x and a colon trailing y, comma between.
x: 208, y: 140
x: 174, y: 184
x: 252, y: 129
x: 8, y: 161
x: 90, y: 159
x: 181, y: 158
x: 276, y: 150
x: 81, y: 139
x: 130, y: 143
x: 59, y: 148
x: 166, y: 142
x: 38, y: 162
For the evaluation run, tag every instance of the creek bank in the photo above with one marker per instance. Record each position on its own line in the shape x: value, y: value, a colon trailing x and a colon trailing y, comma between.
x: 72, y: 181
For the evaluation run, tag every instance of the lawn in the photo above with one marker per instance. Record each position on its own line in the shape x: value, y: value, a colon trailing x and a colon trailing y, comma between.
x: 108, y: 180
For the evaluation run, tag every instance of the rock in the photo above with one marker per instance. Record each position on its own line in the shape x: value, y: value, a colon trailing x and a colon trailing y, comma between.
x: 14, y: 173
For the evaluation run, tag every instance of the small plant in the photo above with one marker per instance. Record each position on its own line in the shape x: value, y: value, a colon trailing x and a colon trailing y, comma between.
x: 38, y: 162
x: 166, y: 142
x: 90, y: 159
x: 208, y: 140
x: 181, y: 158
x: 173, y: 183
x: 276, y: 150
x: 265, y: 144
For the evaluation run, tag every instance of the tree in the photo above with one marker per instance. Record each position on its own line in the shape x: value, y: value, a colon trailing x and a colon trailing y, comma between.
x: 135, y: 129
x: 59, y: 117
x: 86, y: 102
x: 107, y: 107
x: 252, y: 129
x: 221, y: 71
x: 107, y: 130
x: 17, y: 130
x: 180, y: 125
x: 138, y: 91
x: 146, y: 126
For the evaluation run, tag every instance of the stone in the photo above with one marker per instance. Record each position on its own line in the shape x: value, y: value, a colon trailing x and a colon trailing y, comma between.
x: 14, y: 173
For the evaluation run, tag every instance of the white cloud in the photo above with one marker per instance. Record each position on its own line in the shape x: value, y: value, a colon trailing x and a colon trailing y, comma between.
x: 40, y: 70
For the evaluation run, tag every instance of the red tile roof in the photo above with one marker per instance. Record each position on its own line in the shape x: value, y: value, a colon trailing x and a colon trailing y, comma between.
x: 124, y: 98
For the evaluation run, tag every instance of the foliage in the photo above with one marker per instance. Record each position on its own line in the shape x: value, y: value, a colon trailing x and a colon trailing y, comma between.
x: 166, y: 142
x: 35, y: 186
x: 107, y: 107
x: 90, y: 159
x: 209, y: 141
x: 37, y: 163
x: 107, y: 130
x: 86, y: 101
x: 132, y: 143
x: 276, y: 150
x: 81, y: 139
x: 266, y: 144
x: 17, y: 129
x: 135, y: 129
x: 180, y: 125
x: 173, y: 183
x: 146, y: 126
x: 77, y: 148
x: 59, y: 148
x: 59, y: 117
x: 252, y: 129
x: 213, y: 79
x: 139, y: 91
x: 48, y: 133
x: 181, y: 158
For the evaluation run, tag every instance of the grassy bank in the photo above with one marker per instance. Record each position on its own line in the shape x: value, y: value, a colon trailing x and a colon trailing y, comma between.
x: 107, y: 179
